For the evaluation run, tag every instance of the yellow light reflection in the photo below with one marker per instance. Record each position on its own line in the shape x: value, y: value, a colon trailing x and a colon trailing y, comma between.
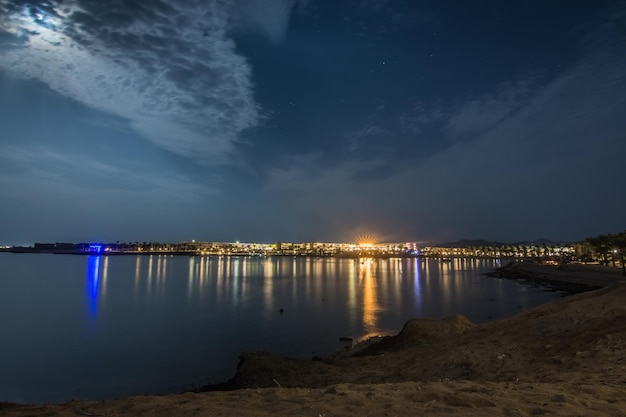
x: 370, y: 301
x: 137, y: 273
x: 190, y: 278
x: 220, y: 269
x: 165, y: 259
x: 202, y: 271
x: 158, y: 270
x: 150, y: 260
x: 353, y: 274
x: 105, y: 274
x: 268, y: 287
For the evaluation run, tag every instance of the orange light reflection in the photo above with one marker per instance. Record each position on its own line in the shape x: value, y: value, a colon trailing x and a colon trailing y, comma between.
x: 370, y: 300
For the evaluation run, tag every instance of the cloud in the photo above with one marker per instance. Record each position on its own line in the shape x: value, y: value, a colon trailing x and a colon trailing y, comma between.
x: 464, y: 117
x: 50, y: 195
x: 367, y: 142
x: 170, y: 68
x: 88, y: 170
x: 268, y: 17
x: 478, y: 114
x: 420, y: 117
x: 368, y: 131
x: 46, y: 208
x: 543, y: 160
x: 387, y: 145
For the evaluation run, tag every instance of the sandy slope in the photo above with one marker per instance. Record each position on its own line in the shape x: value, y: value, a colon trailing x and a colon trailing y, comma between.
x: 565, y: 358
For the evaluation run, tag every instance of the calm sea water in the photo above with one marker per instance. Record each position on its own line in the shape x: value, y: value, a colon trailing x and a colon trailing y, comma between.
x: 99, y: 327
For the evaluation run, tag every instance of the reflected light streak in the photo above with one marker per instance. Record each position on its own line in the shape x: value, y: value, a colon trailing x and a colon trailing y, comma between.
x: 352, y: 273
x: 190, y: 277
x: 93, y: 282
x: 244, y: 277
x: 161, y: 264
x: 236, y: 267
x: 137, y: 273
x: 268, y: 269
x: 204, y: 266
x: 202, y: 270
x: 227, y: 262
x: 220, y: 276
x: 268, y: 287
x: 150, y: 260
x: 105, y: 274
x: 158, y: 270
x: 234, y: 283
x: 418, y: 283
x: 370, y: 305
x: 283, y: 266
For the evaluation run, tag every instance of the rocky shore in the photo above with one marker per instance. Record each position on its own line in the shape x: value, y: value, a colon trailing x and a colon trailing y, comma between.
x: 564, y: 358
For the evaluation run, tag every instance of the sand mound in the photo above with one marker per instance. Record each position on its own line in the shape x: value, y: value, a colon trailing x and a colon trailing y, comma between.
x: 420, y: 331
x: 423, y: 329
x: 262, y: 369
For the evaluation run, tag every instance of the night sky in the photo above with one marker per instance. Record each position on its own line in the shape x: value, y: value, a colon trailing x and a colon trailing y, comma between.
x: 318, y: 120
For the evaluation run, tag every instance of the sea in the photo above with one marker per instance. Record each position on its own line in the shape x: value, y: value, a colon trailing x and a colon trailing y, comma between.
x: 98, y: 327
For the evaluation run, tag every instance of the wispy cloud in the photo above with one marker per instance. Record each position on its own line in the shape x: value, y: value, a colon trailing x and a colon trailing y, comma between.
x: 268, y: 17
x: 421, y: 117
x: 170, y: 68
x: 41, y: 164
x: 478, y: 114
x: 545, y: 153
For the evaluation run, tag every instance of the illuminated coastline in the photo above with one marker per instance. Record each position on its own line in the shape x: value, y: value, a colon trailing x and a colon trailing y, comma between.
x: 315, y: 249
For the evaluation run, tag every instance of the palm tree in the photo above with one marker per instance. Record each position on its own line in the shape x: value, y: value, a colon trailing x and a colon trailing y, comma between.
x: 602, y: 245
x: 619, y: 241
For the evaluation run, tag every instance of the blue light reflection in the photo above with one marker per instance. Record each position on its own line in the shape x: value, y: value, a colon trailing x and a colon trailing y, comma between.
x: 93, y: 283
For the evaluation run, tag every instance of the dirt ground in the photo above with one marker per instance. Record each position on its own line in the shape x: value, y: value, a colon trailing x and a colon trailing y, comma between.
x: 565, y: 358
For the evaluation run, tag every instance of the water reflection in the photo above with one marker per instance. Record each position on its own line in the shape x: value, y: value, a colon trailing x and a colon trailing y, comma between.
x: 137, y: 272
x: 268, y: 285
x: 370, y: 301
x: 369, y: 293
x: 96, y: 281
x: 417, y: 289
x: 176, y: 320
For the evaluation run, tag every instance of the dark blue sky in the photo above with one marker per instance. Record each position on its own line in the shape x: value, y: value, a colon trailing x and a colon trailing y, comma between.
x: 287, y: 120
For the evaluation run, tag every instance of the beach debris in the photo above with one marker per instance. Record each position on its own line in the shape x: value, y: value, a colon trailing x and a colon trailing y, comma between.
x: 82, y: 412
x: 430, y: 403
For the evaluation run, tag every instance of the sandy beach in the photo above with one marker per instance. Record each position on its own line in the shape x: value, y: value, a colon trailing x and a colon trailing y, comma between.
x: 565, y: 358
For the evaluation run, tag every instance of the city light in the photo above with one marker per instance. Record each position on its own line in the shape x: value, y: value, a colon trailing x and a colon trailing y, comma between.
x: 368, y: 249
x: 96, y: 247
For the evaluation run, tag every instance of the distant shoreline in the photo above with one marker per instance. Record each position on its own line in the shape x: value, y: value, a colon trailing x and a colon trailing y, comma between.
x: 28, y: 250
x: 186, y: 253
x: 447, y: 258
